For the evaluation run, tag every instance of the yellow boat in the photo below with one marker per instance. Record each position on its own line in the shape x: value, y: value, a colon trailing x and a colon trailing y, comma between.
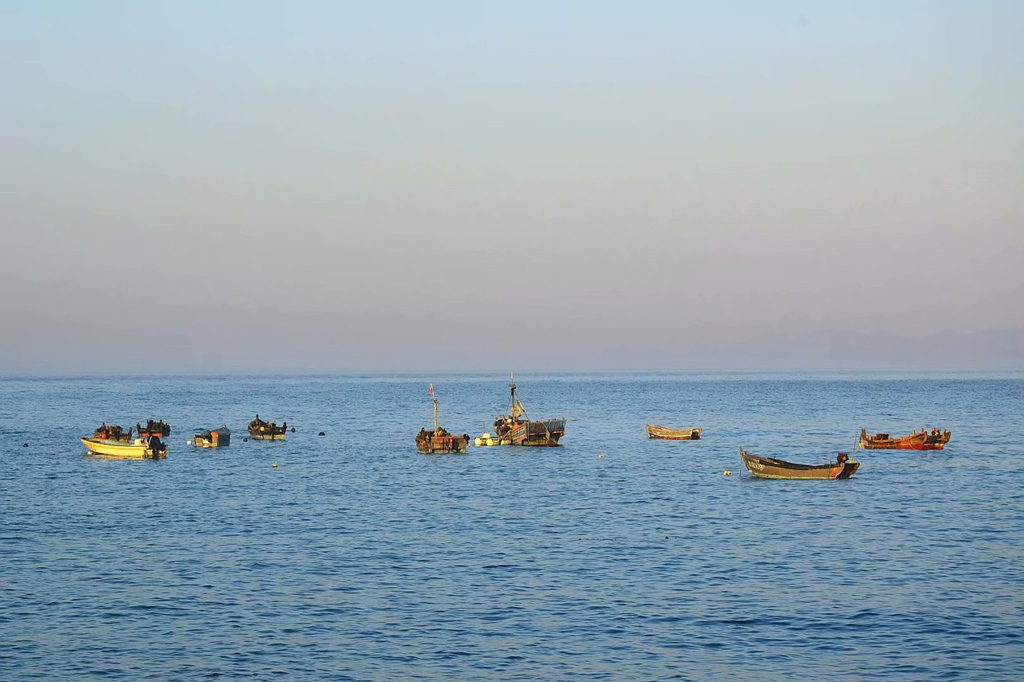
x: 142, y: 448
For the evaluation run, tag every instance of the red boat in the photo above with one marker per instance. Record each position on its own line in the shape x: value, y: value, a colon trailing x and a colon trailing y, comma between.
x: 153, y: 428
x: 918, y: 440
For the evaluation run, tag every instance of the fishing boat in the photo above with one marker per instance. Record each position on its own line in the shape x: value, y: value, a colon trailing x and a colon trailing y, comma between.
x: 212, y: 438
x: 767, y: 467
x: 153, y: 428
x: 261, y: 430
x: 111, y: 432
x: 150, y: 447
x: 662, y: 433
x: 440, y: 440
x: 517, y: 429
x: 918, y: 440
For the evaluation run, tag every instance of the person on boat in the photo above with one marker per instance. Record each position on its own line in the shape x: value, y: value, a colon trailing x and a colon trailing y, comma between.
x: 284, y: 426
x: 842, y: 458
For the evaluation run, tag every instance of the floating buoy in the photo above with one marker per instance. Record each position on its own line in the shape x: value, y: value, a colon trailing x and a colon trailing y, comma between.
x: 600, y: 456
x: 274, y: 465
x: 293, y: 429
x: 24, y: 445
x: 321, y: 434
x: 727, y: 472
x: 245, y: 440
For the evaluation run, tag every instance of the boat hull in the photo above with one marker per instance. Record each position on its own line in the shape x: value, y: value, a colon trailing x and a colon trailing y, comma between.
x: 266, y: 436
x: 767, y: 467
x: 662, y: 433
x: 140, y: 449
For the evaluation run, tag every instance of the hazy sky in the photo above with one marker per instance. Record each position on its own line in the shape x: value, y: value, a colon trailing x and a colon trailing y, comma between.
x: 508, y: 185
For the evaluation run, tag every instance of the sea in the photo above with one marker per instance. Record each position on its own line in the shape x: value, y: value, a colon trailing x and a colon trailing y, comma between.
x: 350, y: 556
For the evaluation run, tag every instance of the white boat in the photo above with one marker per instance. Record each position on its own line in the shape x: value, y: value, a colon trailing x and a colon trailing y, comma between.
x: 150, y: 447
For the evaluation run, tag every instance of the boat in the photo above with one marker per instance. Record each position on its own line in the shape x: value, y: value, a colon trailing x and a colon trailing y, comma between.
x: 662, y: 433
x: 440, y: 440
x: 111, y: 432
x: 517, y: 429
x: 150, y: 447
x: 918, y: 440
x: 154, y: 428
x: 261, y: 430
x: 215, y: 438
x: 768, y: 467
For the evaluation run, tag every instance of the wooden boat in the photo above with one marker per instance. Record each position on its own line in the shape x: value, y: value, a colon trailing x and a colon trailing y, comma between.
x: 662, y: 433
x: 150, y: 447
x: 105, y: 432
x: 767, y: 467
x: 153, y: 428
x: 518, y: 429
x: 918, y: 440
x: 261, y: 430
x: 215, y: 438
x: 440, y: 440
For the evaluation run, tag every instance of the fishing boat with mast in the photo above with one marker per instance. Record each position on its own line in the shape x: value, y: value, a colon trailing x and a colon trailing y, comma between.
x: 516, y: 428
x: 439, y: 440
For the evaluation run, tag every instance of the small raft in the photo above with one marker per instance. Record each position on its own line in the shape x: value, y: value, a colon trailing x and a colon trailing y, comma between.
x: 662, y: 433
x: 768, y: 467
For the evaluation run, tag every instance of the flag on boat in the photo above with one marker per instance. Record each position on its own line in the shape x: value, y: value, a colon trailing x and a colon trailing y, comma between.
x: 431, y: 390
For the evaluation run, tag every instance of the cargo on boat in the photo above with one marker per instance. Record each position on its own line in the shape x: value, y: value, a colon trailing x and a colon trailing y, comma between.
x: 768, y: 467
x: 150, y: 447
x: 212, y: 438
x: 440, y: 440
x: 517, y: 429
x: 111, y: 432
x: 261, y: 430
x: 918, y: 440
x: 662, y: 433
x: 153, y: 428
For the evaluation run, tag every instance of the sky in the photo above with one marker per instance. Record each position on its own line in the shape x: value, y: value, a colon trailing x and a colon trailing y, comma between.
x: 411, y: 186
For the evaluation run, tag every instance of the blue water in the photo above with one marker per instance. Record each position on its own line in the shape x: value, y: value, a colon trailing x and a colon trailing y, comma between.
x: 612, y: 557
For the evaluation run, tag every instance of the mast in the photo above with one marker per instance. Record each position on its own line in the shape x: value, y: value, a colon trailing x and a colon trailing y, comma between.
x: 435, y: 414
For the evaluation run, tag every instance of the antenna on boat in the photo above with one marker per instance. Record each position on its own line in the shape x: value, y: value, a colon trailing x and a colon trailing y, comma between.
x: 435, y: 406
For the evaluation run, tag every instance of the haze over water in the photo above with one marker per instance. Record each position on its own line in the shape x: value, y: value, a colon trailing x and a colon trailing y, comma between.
x: 612, y: 556
x: 240, y: 187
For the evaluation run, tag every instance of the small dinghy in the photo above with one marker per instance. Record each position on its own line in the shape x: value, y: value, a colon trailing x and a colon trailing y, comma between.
x: 662, y: 433
x: 767, y: 467
x: 261, y: 430
x: 150, y: 447
x: 212, y: 438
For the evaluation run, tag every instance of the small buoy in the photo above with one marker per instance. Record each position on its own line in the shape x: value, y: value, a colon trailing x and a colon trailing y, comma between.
x: 321, y: 434
x: 727, y: 472
x: 274, y: 465
x: 188, y: 442
x: 293, y: 429
x: 24, y: 445
x: 245, y: 440
x: 600, y: 456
